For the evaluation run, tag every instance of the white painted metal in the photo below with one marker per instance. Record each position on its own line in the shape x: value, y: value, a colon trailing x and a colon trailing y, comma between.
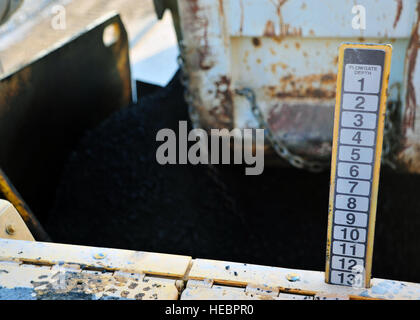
x: 286, y: 52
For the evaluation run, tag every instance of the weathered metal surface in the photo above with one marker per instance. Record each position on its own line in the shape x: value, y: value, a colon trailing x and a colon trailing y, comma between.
x: 292, y: 281
x: 95, y: 258
x: 34, y: 270
x: 31, y: 282
x: 286, y: 51
x: 11, y: 224
x: 46, y: 106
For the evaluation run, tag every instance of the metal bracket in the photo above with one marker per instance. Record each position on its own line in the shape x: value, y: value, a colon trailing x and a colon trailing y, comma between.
x: 11, y: 224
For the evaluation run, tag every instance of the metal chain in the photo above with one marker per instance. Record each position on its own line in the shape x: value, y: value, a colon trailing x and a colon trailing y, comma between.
x: 278, y: 145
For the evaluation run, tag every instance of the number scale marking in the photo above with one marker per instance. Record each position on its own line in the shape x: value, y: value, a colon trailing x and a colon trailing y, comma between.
x: 359, y: 118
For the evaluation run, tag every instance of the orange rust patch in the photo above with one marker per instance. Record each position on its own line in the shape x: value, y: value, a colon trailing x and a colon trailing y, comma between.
x: 222, y: 113
x: 269, y: 30
x: 411, y: 99
x: 278, y: 64
x: 399, y: 10
x: 297, y: 45
x: 246, y: 57
x: 221, y: 9
x: 320, y: 86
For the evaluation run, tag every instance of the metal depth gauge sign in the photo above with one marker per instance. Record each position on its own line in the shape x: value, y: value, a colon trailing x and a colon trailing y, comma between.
x: 359, y: 118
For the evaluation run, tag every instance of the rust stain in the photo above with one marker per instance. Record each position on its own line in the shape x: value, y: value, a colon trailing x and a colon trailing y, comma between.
x: 223, y: 111
x: 246, y: 57
x: 411, y: 99
x: 256, y: 42
x: 297, y: 45
x: 399, y: 10
x: 199, y: 26
x: 205, y: 51
x: 269, y: 30
x: 319, y: 86
x: 278, y: 64
x: 285, y: 29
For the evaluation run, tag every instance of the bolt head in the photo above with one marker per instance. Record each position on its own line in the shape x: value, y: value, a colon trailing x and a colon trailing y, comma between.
x: 293, y: 277
x: 10, y: 229
x: 99, y: 256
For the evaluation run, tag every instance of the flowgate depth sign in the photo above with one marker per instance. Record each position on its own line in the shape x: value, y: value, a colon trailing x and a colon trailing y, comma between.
x: 359, y: 118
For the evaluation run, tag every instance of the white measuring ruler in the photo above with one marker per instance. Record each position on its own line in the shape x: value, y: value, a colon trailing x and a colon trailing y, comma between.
x: 359, y: 118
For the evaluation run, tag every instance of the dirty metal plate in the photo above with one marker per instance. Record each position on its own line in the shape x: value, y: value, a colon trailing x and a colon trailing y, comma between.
x: 307, y: 18
x: 356, y: 160
x: 232, y: 293
x: 12, y: 225
x: 31, y: 282
x: 300, y: 282
x: 90, y: 257
x: 47, y: 105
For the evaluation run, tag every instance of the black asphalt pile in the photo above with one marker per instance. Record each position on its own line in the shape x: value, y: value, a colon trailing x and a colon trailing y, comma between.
x: 113, y: 193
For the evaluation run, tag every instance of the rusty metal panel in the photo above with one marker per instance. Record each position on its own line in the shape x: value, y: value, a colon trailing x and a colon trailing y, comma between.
x: 306, y: 18
x: 291, y: 281
x: 286, y: 52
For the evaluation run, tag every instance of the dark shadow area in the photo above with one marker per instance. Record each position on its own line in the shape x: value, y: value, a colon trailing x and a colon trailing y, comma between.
x: 113, y: 193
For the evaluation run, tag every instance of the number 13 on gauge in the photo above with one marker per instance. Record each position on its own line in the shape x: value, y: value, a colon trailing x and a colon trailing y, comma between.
x: 362, y: 84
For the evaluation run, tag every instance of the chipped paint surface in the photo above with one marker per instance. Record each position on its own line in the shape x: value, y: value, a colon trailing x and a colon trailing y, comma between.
x: 45, y: 271
x: 49, y: 254
x: 409, y: 154
x: 26, y: 282
x: 286, y: 52
x: 311, y: 283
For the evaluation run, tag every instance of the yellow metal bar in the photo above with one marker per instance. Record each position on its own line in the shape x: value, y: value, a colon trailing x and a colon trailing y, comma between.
x: 11, y: 194
x: 365, y: 241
